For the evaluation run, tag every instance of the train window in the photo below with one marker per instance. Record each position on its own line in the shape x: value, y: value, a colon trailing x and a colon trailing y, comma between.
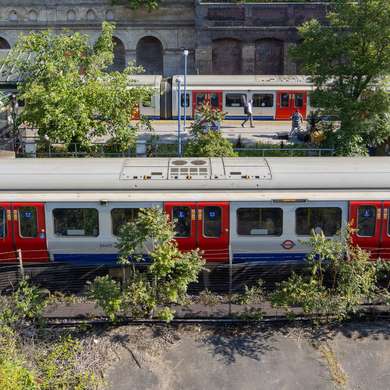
x: 3, y: 223
x: 187, y: 99
x: 200, y: 99
x: 259, y: 221
x: 28, y: 222
x: 284, y: 100
x: 182, y: 216
x: 263, y: 100
x: 212, y: 221
x: 76, y: 222
x: 366, y: 221
x: 119, y: 217
x: 214, y: 100
x: 325, y: 220
x: 235, y: 99
x: 298, y: 100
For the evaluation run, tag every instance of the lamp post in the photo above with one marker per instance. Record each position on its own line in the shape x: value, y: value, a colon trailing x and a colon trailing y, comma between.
x: 14, y: 113
x: 185, y: 53
x: 179, y: 81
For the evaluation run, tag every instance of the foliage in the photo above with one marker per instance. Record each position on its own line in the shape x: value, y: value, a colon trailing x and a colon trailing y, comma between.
x: 207, y: 114
x: 251, y: 295
x: 208, y: 298
x: 165, y: 280
x: 348, y: 59
x: 341, y: 278
x: 150, y: 5
x: 208, y: 144
x: 25, y: 304
x: 69, y: 95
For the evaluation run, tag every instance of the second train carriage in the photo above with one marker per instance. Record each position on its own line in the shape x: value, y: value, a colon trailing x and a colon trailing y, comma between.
x: 254, y: 209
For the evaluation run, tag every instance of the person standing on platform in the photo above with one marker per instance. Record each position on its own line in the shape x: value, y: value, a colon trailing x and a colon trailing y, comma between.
x: 248, y: 108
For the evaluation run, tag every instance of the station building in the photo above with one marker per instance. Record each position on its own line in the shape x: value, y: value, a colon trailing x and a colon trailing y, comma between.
x: 222, y: 37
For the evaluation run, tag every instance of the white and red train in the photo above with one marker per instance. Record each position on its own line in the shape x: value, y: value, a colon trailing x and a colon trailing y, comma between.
x: 255, y: 210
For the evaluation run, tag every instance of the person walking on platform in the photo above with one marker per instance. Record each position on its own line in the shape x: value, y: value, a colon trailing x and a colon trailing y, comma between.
x: 248, y: 107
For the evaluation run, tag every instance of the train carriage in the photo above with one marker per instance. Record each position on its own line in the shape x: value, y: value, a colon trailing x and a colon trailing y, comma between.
x: 244, y: 210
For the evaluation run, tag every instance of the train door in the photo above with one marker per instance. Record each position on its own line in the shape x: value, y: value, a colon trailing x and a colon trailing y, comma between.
x: 7, y: 249
x: 385, y: 244
x: 366, y: 220
x: 214, y: 98
x: 202, y: 225
x: 29, y: 232
x: 288, y: 101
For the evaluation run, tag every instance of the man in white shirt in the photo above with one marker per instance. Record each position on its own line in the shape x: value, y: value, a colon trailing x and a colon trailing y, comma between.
x: 248, y: 107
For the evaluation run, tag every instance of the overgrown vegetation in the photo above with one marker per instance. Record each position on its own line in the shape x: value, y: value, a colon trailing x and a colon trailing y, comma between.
x: 150, y: 292
x: 150, y: 5
x: 69, y: 95
x: 348, y: 59
x: 27, y: 360
x: 341, y: 278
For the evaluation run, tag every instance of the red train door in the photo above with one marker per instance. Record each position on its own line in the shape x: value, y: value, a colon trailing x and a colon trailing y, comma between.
x: 366, y: 218
x: 385, y: 244
x: 214, y: 98
x: 7, y: 249
x: 202, y: 225
x: 29, y: 231
x: 288, y: 101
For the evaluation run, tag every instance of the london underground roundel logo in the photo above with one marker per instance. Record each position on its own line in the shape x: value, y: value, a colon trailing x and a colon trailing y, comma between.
x: 288, y: 244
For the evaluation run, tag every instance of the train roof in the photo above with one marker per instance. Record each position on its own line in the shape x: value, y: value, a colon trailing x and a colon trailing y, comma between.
x: 194, y: 174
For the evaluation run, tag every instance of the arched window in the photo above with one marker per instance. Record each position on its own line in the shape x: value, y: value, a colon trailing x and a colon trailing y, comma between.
x: 269, y: 56
x: 226, y: 54
x: 13, y: 16
x: 150, y: 55
x: 4, y: 45
x: 33, y: 15
x: 119, y: 63
x: 91, y: 14
x: 109, y: 15
x: 70, y: 16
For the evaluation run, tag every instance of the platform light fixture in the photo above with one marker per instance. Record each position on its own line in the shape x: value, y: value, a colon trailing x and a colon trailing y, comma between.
x: 179, y: 81
x: 185, y: 54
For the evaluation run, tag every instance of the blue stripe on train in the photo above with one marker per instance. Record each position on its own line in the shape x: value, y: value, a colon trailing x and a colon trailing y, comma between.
x: 111, y: 258
x: 237, y: 117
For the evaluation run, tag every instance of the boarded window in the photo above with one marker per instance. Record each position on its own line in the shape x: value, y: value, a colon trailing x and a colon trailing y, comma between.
x: 120, y: 217
x: 28, y: 222
x: 259, y: 221
x: 366, y: 222
x: 325, y: 220
x: 226, y: 56
x: 150, y: 55
x: 269, y: 56
x: 75, y: 222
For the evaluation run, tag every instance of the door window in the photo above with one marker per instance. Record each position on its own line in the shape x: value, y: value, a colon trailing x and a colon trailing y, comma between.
x: 284, y: 100
x: 325, y: 220
x: 212, y: 221
x: 187, y: 100
x: 28, y: 222
x: 214, y: 100
x: 200, y: 98
x: 76, y: 222
x: 366, y: 221
x: 3, y: 223
x: 120, y: 217
x: 298, y: 100
x: 182, y: 217
x: 259, y: 221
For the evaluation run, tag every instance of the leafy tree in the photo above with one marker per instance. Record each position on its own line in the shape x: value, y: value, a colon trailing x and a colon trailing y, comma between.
x: 208, y: 144
x: 150, y: 5
x: 348, y: 59
x: 68, y: 95
x: 165, y: 280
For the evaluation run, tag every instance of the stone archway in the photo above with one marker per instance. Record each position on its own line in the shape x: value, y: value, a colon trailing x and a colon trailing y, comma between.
x: 226, y: 56
x: 119, y: 63
x: 150, y: 55
x: 4, y: 45
x: 269, y: 55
